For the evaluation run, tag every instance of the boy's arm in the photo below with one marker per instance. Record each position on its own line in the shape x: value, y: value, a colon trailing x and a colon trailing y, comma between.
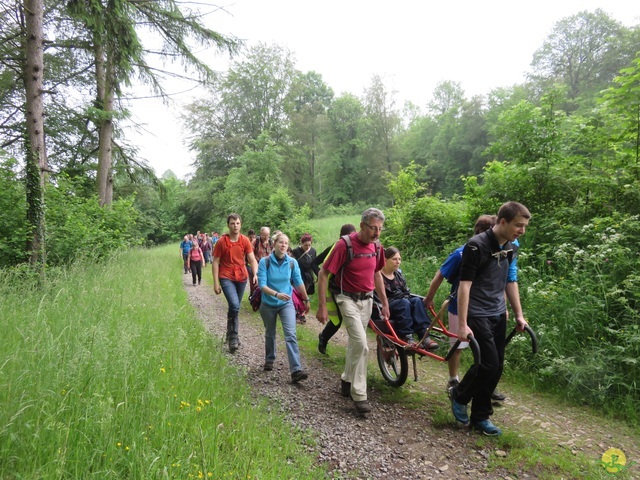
x: 513, y: 295
x: 463, y: 309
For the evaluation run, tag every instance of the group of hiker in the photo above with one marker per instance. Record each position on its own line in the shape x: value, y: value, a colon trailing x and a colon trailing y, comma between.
x: 356, y: 273
x: 196, y: 253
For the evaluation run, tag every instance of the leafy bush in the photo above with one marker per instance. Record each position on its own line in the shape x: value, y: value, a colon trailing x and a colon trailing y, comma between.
x: 428, y: 225
x: 78, y: 227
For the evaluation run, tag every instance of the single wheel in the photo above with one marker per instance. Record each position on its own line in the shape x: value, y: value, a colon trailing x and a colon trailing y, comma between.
x: 392, y: 361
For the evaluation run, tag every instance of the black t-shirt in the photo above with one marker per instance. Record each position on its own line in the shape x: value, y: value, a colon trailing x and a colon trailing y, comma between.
x: 486, y: 263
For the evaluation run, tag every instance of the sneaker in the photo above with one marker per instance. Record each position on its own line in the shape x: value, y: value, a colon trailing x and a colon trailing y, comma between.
x: 500, y: 397
x: 454, y: 382
x: 322, y: 344
x: 428, y: 344
x: 268, y: 366
x: 488, y: 428
x: 299, y: 376
x: 459, y: 411
x: 362, y: 406
x: 345, y: 388
x: 410, y: 341
x: 233, y: 345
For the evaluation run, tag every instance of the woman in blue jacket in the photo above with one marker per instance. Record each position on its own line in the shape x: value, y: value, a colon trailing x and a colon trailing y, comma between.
x: 278, y: 274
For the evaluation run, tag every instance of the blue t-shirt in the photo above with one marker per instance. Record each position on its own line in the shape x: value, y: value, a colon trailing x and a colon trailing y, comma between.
x: 279, y: 277
x: 450, y: 270
x: 185, y: 246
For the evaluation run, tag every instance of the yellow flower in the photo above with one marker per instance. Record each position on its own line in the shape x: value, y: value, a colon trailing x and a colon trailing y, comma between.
x: 198, y: 409
x: 118, y: 444
x: 163, y: 370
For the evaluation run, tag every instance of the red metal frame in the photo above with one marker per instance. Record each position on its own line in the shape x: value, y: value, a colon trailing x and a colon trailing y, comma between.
x: 415, y: 348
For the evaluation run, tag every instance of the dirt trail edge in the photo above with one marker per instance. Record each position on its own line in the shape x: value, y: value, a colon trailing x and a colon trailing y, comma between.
x: 393, y: 441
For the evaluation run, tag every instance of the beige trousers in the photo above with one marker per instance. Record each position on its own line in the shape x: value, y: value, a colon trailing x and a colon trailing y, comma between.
x: 355, y: 317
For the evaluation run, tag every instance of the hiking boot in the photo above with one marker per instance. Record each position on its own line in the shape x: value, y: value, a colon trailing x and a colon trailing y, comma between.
x: 233, y: 345
x: 362, y: 406
x: 322, y: 344
x: 268, y: 366
x: 299, y: 376
x: 500, y: 397
x: 345, y: 388
x: 486, y: 427
x: 428, y: 344
x: 459, y: 411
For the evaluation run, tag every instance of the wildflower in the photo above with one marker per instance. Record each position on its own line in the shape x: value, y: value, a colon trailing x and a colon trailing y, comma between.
x: 118, y: 444
x: 198, y: 409
x: 163, y: 370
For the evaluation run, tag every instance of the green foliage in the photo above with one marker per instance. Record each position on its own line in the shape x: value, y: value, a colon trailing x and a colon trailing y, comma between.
x: 279, y: 208
x: 299, y: 224
x: 79, y: 228
x: 404, y: 186
x: 14, y: 230
x: 428, y: 224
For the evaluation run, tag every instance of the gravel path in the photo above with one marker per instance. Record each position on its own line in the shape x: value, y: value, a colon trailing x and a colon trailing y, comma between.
x: 394, y: 441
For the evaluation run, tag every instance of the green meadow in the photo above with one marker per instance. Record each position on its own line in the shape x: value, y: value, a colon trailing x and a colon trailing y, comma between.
x: 106, y: 372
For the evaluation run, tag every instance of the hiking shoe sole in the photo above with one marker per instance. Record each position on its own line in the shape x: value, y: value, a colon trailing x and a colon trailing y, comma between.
x: 362, y: 406
x: 299, y: 376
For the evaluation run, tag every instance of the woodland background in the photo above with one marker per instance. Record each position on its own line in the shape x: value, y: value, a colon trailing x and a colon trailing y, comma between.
x: 277, y: 146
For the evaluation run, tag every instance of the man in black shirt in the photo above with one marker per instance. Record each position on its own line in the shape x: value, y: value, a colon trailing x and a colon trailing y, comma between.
x: 485, y: 278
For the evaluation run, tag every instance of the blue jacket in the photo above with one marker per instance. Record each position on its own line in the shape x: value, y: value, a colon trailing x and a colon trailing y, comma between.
x: 279, y: 277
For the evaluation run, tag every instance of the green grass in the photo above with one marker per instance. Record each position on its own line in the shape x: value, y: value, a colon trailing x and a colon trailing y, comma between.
x: 107, y: 372
x: 329, y: 229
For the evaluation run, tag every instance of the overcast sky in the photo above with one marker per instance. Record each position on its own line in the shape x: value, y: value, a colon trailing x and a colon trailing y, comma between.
x: 412, y: 45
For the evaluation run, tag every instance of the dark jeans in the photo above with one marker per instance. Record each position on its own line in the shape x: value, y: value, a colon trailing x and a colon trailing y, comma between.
x: 233, y: 292
x: 196, y: 271
x: 184, y: 262
x: 409, y: 316
x: 479, y: 382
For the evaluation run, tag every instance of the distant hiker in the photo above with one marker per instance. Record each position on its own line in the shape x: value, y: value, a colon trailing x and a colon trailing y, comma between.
x: 276, y: 274
x: 230, y: 273
x: 354, y: 277
x: 195, y: 260
x: 305, y: 254
x: 185, y: 247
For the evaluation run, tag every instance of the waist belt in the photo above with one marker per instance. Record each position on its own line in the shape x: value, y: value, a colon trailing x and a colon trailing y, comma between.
x: 358, y: 296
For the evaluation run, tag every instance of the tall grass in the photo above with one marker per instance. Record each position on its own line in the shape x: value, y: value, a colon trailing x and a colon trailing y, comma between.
x: 106, y: 372
x: 329, y: 229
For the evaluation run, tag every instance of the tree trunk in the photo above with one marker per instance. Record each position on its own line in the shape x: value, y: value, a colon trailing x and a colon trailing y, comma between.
x: 36, y: 157
x: 105, y: 95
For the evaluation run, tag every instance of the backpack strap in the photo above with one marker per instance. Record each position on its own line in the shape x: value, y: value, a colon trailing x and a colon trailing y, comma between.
x: 350, y: 256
